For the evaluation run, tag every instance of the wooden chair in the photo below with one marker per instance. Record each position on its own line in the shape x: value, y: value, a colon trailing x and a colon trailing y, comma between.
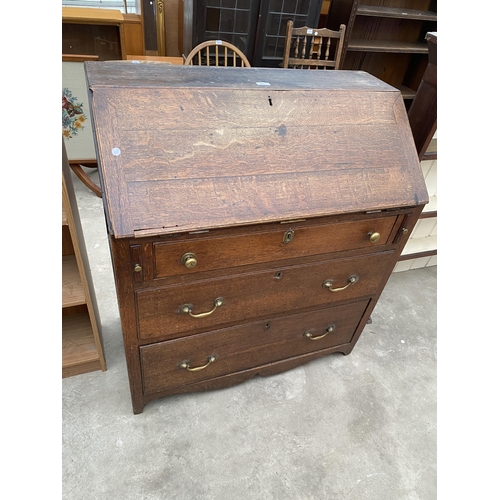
x: 309, y: 48
x: 216, y: 53
x: 76, y: 166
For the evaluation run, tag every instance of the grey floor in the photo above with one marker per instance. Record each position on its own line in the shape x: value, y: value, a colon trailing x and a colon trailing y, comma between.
x: 361, y: 426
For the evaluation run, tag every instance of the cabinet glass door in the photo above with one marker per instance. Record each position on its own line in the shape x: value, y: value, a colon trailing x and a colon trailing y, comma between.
x: 272, y: 28
x: 256, y: 27
x: 233, y: 21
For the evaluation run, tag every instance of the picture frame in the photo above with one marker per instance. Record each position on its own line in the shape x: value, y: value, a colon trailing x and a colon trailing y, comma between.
x: 77, y: 130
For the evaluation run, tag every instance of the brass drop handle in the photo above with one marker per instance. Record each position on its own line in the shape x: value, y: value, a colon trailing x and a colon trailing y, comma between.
x: 309, y: 335
x: 187, y: 308
x: 373, y: 237
x: 185, y: 364
x: 189, y: 260
x: 329, y: 283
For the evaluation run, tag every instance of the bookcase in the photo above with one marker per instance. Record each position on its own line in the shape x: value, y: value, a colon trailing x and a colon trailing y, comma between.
x: 386, y: 38
x: 82, y: 350
x: 93, y: 32
x: 421, y: 249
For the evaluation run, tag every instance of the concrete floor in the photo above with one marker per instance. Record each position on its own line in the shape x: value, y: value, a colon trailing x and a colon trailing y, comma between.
x: 361, y: 426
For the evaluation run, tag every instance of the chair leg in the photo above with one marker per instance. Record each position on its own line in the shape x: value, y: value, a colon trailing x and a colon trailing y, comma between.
x: 79, y: 172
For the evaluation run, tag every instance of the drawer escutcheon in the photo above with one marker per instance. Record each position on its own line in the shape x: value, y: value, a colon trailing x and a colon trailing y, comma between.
x: 288, y: 236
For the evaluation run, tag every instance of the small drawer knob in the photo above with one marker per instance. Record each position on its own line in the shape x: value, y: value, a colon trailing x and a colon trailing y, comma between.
x: 189, y: 260
x: 137, y: 268
x: 374, y: 237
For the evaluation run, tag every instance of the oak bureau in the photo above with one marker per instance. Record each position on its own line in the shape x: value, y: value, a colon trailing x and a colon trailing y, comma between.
x: 254, y: 215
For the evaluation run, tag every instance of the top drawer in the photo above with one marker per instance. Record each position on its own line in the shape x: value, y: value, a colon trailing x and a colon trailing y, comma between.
x: 287, y: 242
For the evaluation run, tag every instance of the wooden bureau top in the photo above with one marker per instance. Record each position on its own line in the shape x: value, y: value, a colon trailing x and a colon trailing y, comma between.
x: 185, y: 148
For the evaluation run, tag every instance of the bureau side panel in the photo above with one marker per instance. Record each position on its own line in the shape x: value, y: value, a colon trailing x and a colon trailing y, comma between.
x: 120, y: 253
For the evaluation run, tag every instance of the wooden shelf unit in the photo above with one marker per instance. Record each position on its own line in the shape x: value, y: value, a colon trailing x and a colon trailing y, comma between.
x: 421, y: 249
x: 81, y: 336
x: 386, y: 38
x: 93, y: 32
x: 422, y: 244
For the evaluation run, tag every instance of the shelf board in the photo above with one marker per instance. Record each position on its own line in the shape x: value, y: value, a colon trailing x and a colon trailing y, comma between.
x: 433, y: 144
x: 429, y: 155
x: 79, y: 353
x: 398, y: 13
x: 91, y: 16
x: 418, y: 255
x: 361, y: 45
x: 431, y: 207
x: 406, y: 92
x: 73, y: 293
x: 427, y: 246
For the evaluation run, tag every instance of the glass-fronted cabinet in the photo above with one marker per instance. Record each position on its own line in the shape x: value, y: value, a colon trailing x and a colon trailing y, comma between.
x: 257, y: 27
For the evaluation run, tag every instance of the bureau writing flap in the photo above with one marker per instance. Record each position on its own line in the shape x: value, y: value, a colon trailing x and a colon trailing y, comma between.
x: 186, y: 148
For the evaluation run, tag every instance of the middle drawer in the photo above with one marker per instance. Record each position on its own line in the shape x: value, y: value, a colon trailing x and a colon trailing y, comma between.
x: 179, y: 310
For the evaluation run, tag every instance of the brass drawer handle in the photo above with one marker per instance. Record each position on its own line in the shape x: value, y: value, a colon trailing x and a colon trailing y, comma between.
x: 185, y: 364
x: 308, y: 335
x: 373, y: 237
x: 351, y: 280
x: 187, y: 308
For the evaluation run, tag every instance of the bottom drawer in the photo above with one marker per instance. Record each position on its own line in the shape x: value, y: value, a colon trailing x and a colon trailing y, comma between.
x: 174, y: 363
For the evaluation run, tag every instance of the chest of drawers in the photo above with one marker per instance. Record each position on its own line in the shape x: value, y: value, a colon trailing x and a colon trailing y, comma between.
x: 254, y: 215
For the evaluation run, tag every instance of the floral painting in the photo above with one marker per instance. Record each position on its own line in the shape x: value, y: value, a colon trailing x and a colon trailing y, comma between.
x: 77, y: 130
x: 73, y: 116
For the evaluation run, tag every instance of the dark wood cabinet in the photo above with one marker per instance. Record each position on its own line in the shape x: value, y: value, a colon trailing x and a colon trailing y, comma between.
x: 254, y: 215
x: 257, y: 27
x: 386, y: 38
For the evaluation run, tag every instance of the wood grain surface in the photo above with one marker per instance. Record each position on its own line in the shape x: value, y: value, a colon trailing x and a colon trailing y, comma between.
x: 179, y: 159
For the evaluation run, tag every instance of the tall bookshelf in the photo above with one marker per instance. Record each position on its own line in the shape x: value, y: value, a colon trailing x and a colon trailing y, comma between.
x: 386, y: 38
x: 82, y: 350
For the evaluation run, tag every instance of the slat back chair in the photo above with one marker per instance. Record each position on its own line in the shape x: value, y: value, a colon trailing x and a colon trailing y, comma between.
x: 310, y: 48
x: 217, y: 53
